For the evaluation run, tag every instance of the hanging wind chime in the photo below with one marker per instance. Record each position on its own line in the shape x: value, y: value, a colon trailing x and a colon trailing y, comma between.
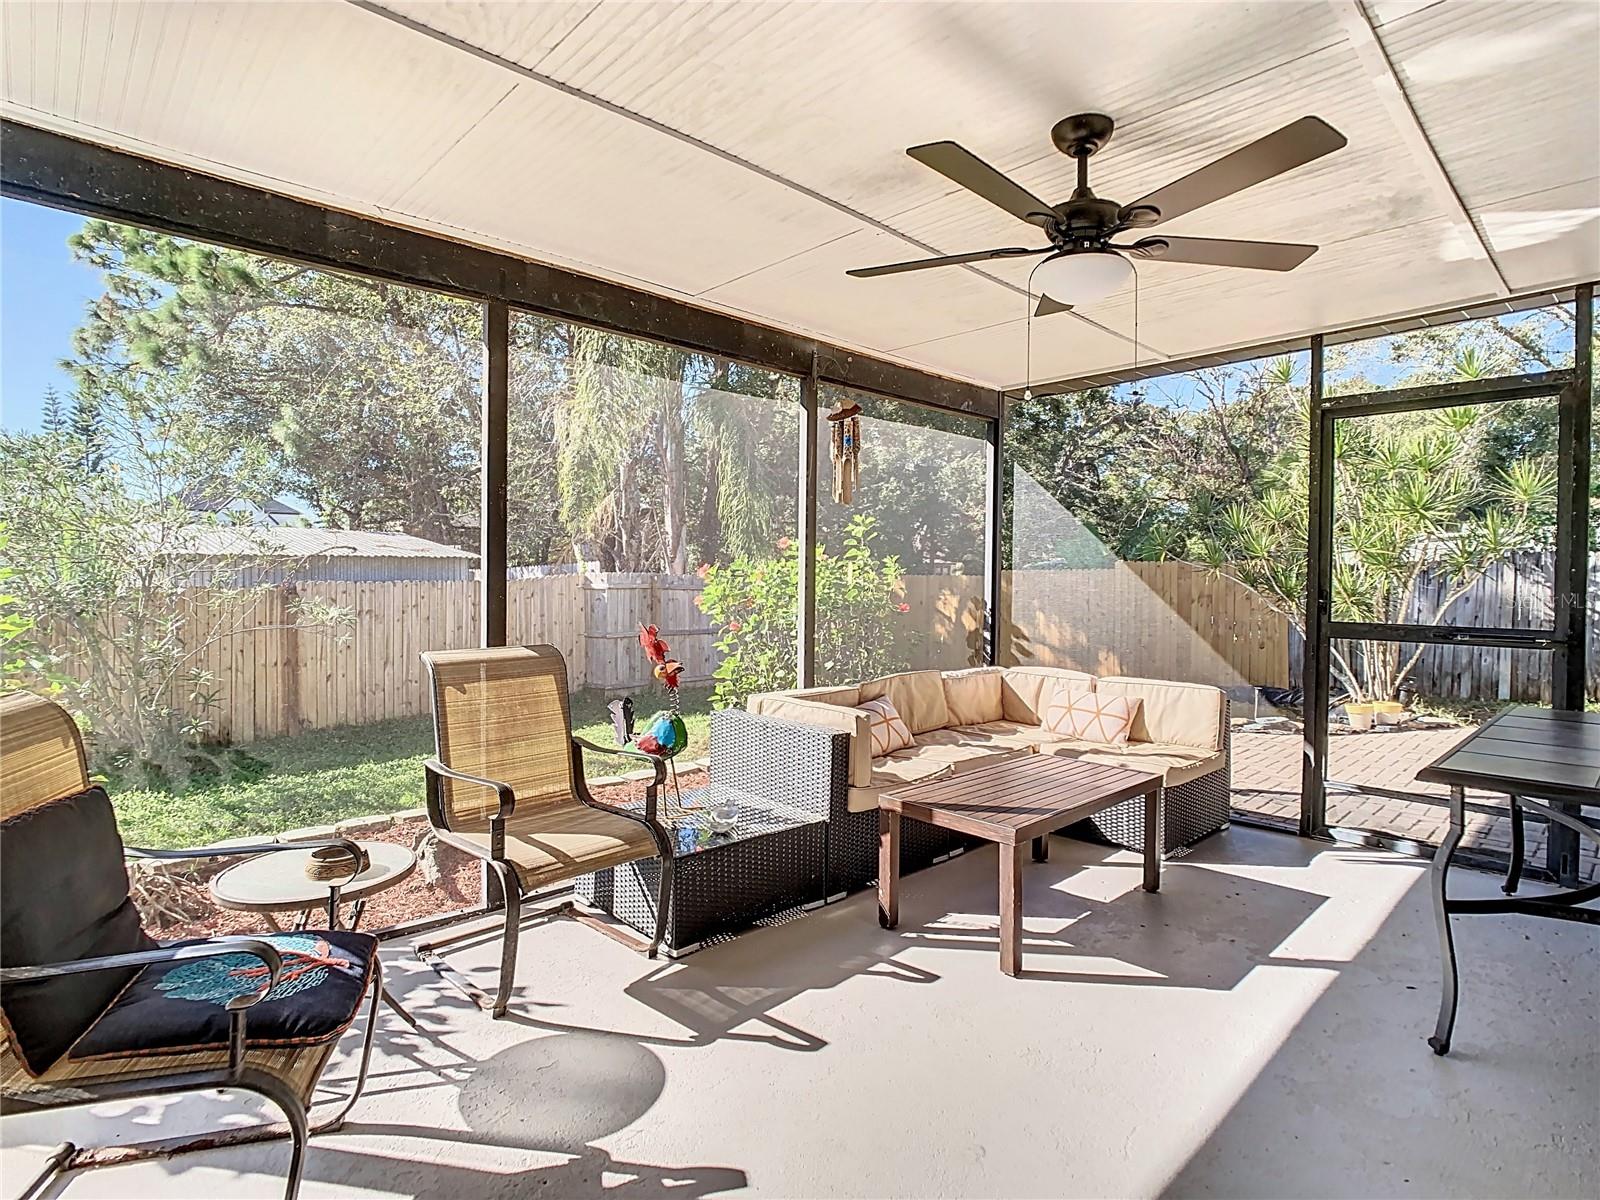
x: 844, y: 420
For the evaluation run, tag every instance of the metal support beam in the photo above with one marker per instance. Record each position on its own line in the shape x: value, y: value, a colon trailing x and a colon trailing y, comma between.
x: 806, y: 616
x: 1444, y: 635
x: 1318, y: 610
x: 1569, y: 665
x: 994, y: 532
x: 1573, y: 424
x: 1369, y: 48
x: 1449, y: 395
x: 496, y: 405
x: 62, y: 172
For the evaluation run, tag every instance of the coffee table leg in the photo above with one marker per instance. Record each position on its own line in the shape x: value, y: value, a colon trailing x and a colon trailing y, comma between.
x: 1041, y: 849
x: 888, y: 868
x: 1011, y: 909
x: 1152, y: 840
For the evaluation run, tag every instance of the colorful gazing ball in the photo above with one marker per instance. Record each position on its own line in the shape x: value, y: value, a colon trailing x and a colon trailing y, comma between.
x: 665, y: 735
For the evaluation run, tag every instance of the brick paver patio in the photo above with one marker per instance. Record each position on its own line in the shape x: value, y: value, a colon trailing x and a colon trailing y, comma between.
x: 1266, y: 781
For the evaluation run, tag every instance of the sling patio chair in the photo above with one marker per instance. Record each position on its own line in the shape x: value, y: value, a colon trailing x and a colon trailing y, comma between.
x: 92, y: 1008
x: 507, y: 787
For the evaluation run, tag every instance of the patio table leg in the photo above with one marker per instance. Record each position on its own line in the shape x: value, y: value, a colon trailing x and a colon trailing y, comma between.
x: 1440, y: 1041
x: 1152, y: 840
x: 1011, y: 909
x: 888, y: 868
x: 1518, y: 850
x: 1041, y: 849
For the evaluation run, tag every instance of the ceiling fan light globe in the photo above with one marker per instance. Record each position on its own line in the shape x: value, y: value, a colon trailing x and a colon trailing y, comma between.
x: 1082, y: 276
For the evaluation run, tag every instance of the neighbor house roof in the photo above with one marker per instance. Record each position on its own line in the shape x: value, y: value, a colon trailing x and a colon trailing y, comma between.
x: 290, y: 542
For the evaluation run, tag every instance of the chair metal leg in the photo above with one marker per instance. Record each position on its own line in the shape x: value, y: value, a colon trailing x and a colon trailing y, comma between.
x: 294, y: 1112
x: 663, y: 903
x: 338, y: 1117
x: 1514, y: 871
x: 511, y: 889
x: 60, y: 1161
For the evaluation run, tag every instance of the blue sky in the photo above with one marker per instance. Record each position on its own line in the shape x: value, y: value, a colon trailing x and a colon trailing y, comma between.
x: 42, y: 297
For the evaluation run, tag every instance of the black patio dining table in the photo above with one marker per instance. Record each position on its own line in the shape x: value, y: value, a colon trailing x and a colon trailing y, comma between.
x: 1543, y: 760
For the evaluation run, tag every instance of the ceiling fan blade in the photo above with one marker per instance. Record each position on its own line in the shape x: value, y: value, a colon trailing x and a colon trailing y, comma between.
x: 971, y: 172
x: 1292, y: 146
x: 1048, y: 307
x: 946, y: 260
x: 1222, y: 252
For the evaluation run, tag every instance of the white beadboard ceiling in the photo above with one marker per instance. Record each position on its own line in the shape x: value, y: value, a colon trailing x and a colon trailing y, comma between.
x: 742, y: 156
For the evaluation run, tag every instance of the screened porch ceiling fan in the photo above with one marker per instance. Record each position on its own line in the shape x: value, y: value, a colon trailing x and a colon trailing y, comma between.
x: 1084, y: 265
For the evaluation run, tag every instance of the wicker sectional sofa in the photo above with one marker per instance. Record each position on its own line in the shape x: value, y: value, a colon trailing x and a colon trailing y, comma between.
x: 961, y: 720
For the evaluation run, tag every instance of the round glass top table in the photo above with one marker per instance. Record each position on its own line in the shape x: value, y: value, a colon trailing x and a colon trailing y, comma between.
x: 274, y: 883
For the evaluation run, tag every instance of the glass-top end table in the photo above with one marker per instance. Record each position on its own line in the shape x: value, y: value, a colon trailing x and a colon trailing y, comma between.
x: 770, y: 858
x: 700, y: 821
x: 275, y: 883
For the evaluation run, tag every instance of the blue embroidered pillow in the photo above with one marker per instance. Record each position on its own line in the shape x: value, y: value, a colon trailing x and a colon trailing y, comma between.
x: 182, y: 1005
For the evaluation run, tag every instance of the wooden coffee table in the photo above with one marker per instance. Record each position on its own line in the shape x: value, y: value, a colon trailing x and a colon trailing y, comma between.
x: 1011, y: 804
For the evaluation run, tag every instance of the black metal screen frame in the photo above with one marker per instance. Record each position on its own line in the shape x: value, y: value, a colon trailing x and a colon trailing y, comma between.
x: 1565, y: 639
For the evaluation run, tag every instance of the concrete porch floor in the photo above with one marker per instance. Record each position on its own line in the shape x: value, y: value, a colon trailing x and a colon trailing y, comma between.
x: 1256, y: 1029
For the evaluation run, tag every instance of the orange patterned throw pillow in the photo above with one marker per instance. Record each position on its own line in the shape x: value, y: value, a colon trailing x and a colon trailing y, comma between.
x: 889, y: 731
x: 1090, y: 716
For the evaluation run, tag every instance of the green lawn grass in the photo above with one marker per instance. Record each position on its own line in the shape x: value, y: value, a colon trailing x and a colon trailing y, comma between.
x: 334, y: 775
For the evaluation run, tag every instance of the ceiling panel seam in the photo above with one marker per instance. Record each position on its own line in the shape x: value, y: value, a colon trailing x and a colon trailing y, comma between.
x: 801, y: 253
x: 576, y: 25
x: 404, y: 192
x: 1368, y: 45
x: 376, y: 9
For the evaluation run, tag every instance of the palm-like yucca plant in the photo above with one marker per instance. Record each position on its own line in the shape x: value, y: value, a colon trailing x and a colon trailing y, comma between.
x: 1415, y: 527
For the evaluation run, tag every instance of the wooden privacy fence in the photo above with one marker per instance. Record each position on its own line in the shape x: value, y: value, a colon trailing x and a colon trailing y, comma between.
x: 1516, y: 594
x: 1164, y: 620
x: 1161, y: 620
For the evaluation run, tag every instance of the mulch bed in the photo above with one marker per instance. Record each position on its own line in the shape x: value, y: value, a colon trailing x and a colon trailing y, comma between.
x: 457, y: 887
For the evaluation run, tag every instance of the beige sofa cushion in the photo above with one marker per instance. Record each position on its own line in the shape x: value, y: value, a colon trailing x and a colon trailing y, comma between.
x: 973, y: 696
x: 1024, y: 690
x: 926, y: 760
x: 918, y: 695
x: 1175, y: 764
x: 788, y: 706
x: 1011, y: 735
x: 1178, y: 714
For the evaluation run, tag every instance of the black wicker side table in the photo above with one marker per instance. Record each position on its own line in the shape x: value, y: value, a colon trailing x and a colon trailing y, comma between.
x: 772, y: 859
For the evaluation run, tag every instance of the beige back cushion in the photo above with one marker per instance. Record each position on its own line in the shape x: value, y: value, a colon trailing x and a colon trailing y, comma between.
x: 1024, y: 691
x: 973, y: 697
x: 918, y: 695
x: 1175, y: 714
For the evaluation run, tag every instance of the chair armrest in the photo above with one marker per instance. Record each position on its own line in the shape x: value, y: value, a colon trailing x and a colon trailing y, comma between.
x: 652, y: 789
x: 348, y: 846
x: 265, y: 951
x: 434, y: 771
x: 624, y: 751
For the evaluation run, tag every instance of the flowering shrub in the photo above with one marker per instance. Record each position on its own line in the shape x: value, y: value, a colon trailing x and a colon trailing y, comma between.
x: 756, y: 601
